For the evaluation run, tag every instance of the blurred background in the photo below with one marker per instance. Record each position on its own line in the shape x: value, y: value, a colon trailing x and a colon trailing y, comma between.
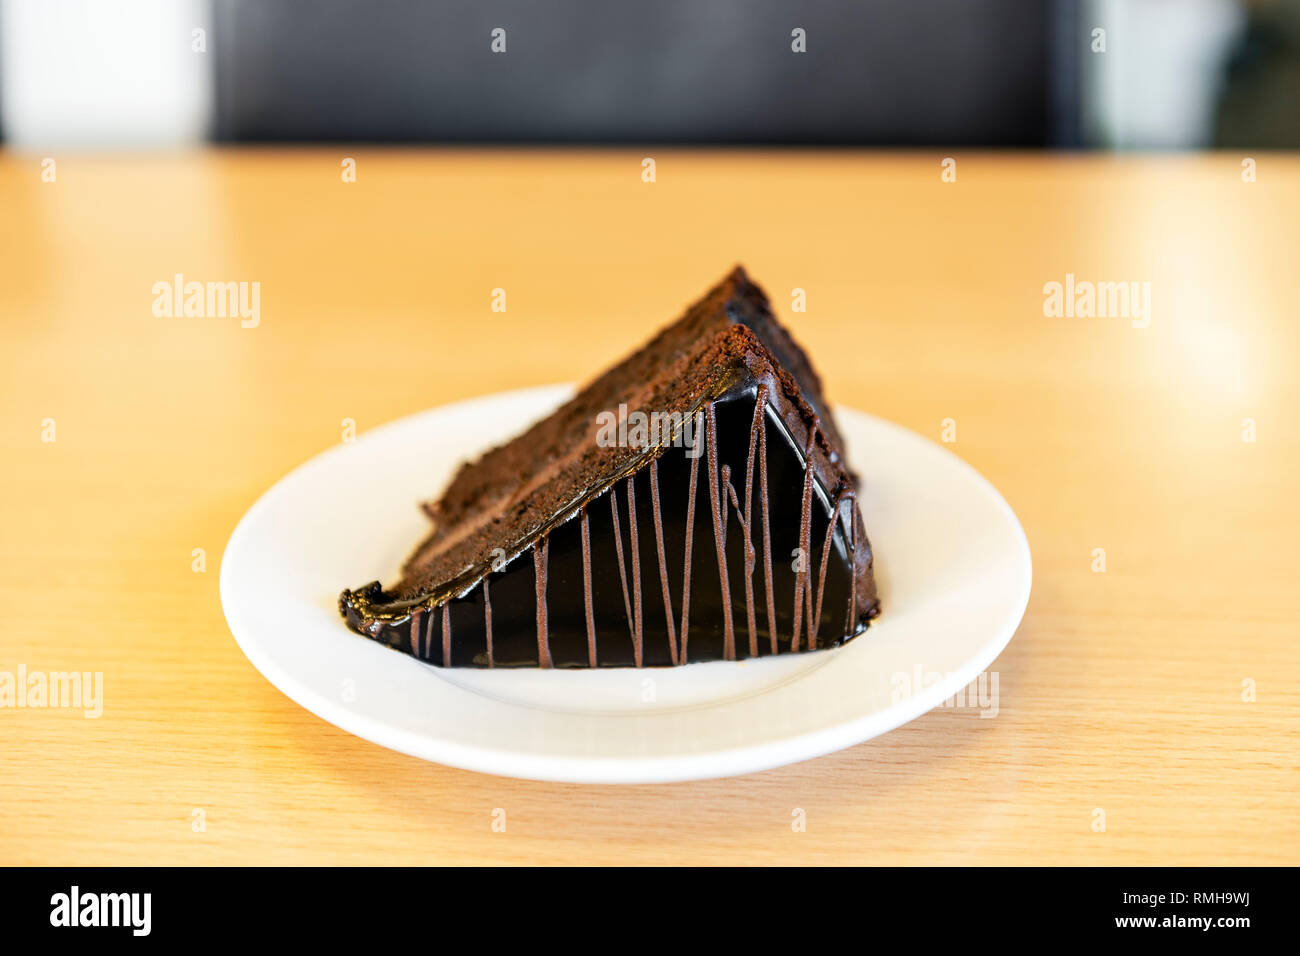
x: 1140, y: 74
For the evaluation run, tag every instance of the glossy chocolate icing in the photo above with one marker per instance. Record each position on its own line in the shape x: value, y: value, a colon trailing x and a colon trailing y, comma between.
x: 752, y: 547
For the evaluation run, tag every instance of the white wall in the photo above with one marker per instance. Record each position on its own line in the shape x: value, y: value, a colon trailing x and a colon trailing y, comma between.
x: 105, y: 73
x: 1158, y: 82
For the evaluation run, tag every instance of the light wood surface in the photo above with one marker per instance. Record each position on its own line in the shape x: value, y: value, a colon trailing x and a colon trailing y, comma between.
x: 1122, y: 690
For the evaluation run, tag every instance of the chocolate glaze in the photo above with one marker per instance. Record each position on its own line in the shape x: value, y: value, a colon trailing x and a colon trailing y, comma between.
x: 571, y: 591
x: 580, y: 603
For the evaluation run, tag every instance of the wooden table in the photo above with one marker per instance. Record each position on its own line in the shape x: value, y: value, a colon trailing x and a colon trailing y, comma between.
x: 1123, y: 689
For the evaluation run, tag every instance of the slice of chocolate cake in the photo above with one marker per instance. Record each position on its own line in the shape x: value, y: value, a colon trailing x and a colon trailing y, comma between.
x: 690, y: 504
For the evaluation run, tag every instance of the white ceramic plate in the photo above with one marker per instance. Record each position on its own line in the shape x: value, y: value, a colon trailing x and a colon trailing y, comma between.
x: 952, y: 566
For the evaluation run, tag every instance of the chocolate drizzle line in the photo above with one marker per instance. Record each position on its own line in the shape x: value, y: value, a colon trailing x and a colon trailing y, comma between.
x: 801, y: 584
x: 622, y: 573
x: 853, y: 578
x: 815, y: 622
x: 728, y: 631
x: 415, y: 630
x: 845, y: 494
x: 638, y: 639
x: 428, y: 634
x: 760, y: 409
x: 586, y: 589
x: 749, y: 562
x: 663, y: 563
x: 690, y: 528
x: 446, y: 635
x: 487, y: 620
x: 726, y: 509
x: 807, y: 545
x: 767, y: 525
x: 541, y: 552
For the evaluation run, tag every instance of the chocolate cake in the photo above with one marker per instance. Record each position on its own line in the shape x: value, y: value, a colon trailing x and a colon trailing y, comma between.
x: 690, y: 504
